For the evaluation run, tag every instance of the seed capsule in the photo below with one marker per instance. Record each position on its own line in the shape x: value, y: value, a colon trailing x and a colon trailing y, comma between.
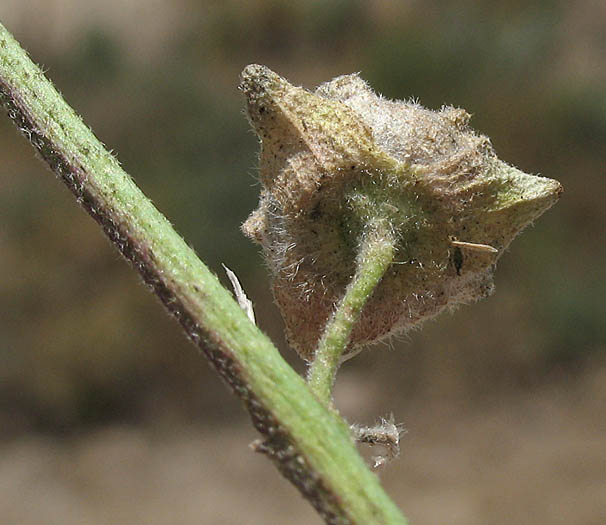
x: 333, y: 160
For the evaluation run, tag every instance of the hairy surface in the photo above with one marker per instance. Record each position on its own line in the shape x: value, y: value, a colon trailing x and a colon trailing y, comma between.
x: 334, y: 160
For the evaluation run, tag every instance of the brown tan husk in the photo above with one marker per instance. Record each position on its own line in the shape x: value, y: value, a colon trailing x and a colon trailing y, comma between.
x: 333, y: 159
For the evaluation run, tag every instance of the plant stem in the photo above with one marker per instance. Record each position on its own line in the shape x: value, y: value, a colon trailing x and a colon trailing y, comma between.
x: 376, y: 252
x: 309, y: 444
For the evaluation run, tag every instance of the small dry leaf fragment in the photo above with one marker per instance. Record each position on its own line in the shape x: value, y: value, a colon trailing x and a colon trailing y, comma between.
x: 333, y: 160
x: 244, y: 302
x: 386, y: 434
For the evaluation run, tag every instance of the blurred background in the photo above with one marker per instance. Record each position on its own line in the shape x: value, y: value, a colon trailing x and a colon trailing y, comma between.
x: 107, y: 413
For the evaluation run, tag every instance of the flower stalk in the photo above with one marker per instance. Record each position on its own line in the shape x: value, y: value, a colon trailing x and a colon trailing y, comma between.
x: 375, y: 255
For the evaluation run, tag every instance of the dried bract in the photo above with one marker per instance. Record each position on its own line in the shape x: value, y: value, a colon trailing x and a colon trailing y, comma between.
x: 334, y: 160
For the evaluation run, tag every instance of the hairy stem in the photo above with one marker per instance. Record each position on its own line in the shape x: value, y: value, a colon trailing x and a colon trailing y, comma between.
x: 376, y: 253
x: 309, y: 444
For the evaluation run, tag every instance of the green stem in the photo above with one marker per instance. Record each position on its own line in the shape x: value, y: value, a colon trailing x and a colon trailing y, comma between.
x: 309, y: 444
x: 376, y: 253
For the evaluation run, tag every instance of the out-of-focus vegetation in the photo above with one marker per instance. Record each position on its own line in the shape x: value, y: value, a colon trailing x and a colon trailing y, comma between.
x: 82, y: 341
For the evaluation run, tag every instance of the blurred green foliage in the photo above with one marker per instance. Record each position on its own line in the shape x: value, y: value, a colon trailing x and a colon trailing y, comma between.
x: 81, y: 341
